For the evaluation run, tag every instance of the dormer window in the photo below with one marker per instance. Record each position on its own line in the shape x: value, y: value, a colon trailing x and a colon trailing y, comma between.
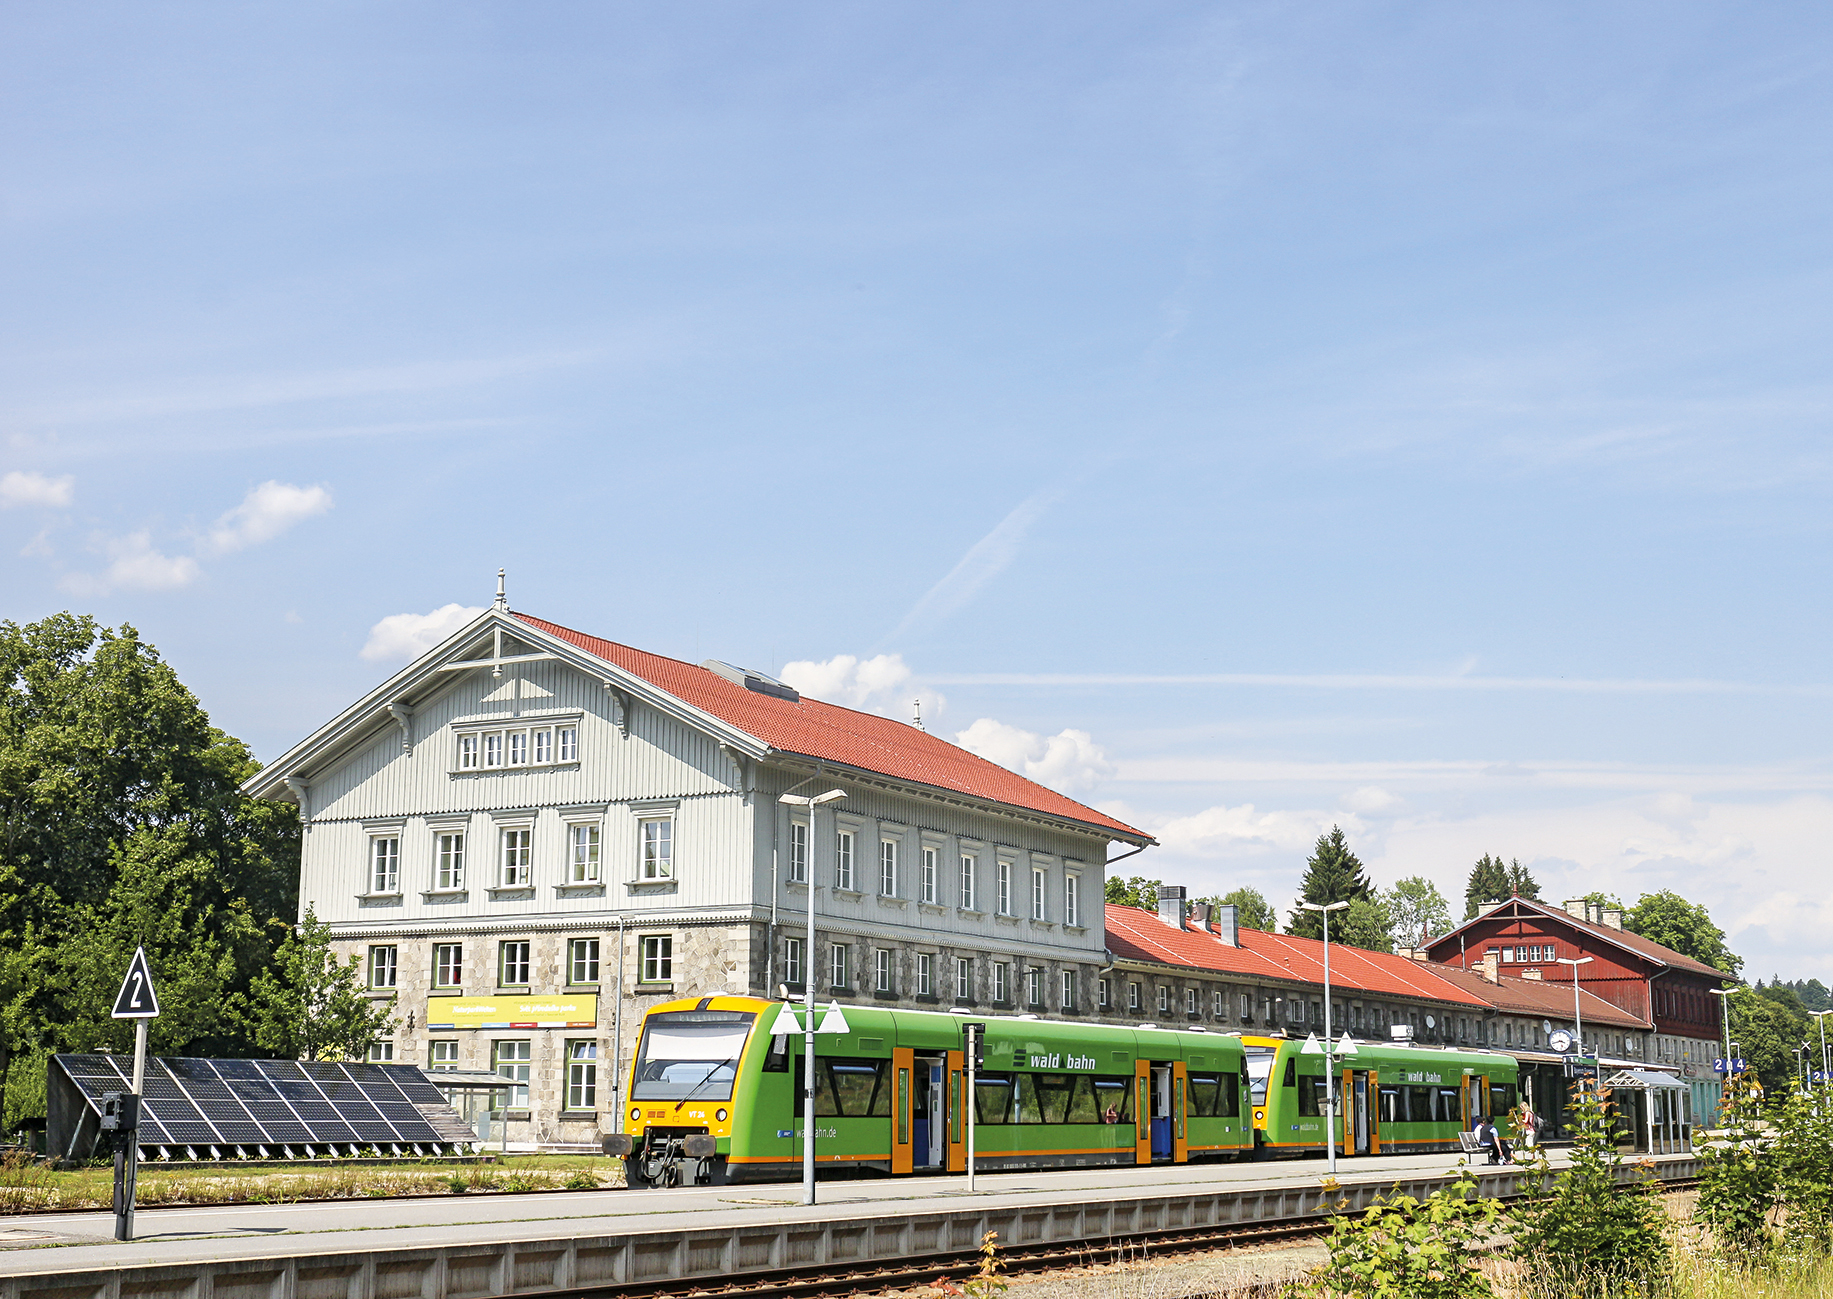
x: 483, y: 746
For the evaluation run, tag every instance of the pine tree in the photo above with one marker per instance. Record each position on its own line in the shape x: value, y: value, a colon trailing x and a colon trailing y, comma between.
x: 1489, y: 882
x: 1333, y: 874
x: 1520, y: 883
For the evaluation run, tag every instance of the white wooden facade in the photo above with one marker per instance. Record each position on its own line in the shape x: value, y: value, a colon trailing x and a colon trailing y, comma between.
x: 543, y: 756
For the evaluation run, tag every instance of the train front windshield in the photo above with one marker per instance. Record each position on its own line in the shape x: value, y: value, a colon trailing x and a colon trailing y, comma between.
x: 1259, y: 1069
x: 690, y: 1055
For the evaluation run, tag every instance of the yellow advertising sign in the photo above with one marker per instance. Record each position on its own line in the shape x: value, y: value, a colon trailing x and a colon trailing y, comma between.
x: 511, y: 1012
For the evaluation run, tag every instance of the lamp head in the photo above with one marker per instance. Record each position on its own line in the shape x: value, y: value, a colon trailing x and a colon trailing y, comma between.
x: 1323, y: 906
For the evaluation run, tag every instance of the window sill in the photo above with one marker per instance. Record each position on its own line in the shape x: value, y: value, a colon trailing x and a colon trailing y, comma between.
x: 854, y: 894
x: 381, y: 994
x: 584, y: 989
x: 886, y: 901
x: 445, y: 895
x: 1047, y: 925
x: 512, y: 1116
x: 394, y: 897
x: 834, y: 990
x: 931, y: 909
x: 926, y: 999
x: 517, y: 891
x: 884, y: 996
x: 446, y: 992
x: 1006, y: 920
x: 1075, y: 929
x: 650, y: 886
x: 578, y: 1116
x: 651, y: 989
x: 515, y: 990
x: 970, y: 912
x: 965, y: 1003
x: 582, y: 890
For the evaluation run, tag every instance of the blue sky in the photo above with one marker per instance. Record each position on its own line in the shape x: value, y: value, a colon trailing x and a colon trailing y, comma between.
x: 1247, y: 417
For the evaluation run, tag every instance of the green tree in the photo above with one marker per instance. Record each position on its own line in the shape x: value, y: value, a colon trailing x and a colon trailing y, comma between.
x: 1364, y: 923
x: 1521, y: 884
x: 1136, y: 892
x: 1255, y: 911
x: 1737, y: 1178
x: 312, y: 1008
x: 1417, y: 909
x: 1488, y: 883
x: 1686, y: 927
x: 1767, y: 1031
x: 1812, y: 993
x: 1333, y: 874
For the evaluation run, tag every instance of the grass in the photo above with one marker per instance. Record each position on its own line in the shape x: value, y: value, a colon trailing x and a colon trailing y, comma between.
x: 30, y: 1187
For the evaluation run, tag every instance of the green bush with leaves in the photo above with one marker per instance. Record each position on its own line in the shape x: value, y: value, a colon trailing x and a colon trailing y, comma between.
x: 1737, y: 1178
x: 1403, y: 1247
x: 1801, y: 1145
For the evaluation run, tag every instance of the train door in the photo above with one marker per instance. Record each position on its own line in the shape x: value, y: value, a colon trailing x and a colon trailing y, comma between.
x: 1358, y: 1086
x: 932, y: 1112
x: 954, y: 1103
x: 1475, y: 1100
x: 1142, y: 1111
x: 903, y: 1102
x: 1180, y: 1113
x: 1163, y: 1144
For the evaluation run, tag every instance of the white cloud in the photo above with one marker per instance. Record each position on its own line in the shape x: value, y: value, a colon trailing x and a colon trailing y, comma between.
x: 1370, y: 799
x: 135, y: 565
x: 403, y: 636
x: 1218, y: 830
x: 985, y: 560
x: 264, y: 514
x: 22, y: 487
x: 882, y: 684
x: 1069, y: 761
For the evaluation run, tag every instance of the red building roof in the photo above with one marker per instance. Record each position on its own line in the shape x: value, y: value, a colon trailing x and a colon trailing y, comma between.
x: 1539, y: 997
x: 813, y: 729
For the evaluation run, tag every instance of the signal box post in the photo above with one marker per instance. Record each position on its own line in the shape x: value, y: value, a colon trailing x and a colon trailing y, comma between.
x: 138, y: 1001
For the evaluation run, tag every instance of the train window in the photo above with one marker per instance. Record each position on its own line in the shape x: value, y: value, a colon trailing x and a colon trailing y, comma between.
x: 1393, y: 1105
x: 1291, y: 1078
x: 1114, y: 1099
x: 993, y: 1098
x: 1215, y: 1096
x: 690, y: 1055
x: 1053, y: 1092
x: 854, y: 1089
x: 1082, y: 1106
x: 1310, y: 1096
x: 1501, y: 1097
x: 776, y: 1060
x: 1259, y: 1069
x: 1419, y: 1104
x: 1448, y: 1109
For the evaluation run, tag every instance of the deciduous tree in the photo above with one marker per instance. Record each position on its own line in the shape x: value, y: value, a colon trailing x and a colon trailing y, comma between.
x: 1135, y: 892
x: 1255, y: 911
x: 314, y: 1008
x: 1686, y: 927
x: 1417, y: 910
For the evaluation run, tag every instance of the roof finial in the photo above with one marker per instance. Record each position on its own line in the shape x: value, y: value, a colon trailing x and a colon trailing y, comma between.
x: 916, y: 707
x: 502, y: 597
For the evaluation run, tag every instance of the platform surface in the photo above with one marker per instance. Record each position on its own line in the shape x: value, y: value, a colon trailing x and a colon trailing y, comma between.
x: 65, y: 1242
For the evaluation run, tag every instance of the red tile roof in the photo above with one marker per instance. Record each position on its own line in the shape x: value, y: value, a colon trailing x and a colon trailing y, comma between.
x: 1141, y: 935
x: 1538, y: 997
x: 813, y: 729
x: 1645, y: 947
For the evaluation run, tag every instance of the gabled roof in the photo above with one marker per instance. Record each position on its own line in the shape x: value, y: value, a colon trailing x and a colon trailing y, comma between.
x: 1648, y: 949
x: 1140, y: 935
x: 1538, y: 997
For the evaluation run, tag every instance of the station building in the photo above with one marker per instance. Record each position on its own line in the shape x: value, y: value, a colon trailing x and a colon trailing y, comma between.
x: 529, y: 835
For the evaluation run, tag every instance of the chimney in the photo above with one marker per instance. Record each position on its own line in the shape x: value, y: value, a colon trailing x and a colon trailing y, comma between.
x: 1491, y: 968
x: 1575, y: 907
x: 1532, y: 972
x: 1228, y: 923
x: 1199, y: 912
x: 1613, y: 917
x: 1171, y: 904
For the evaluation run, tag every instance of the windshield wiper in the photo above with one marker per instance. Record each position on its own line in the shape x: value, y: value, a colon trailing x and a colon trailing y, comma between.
x: 707, y: 1077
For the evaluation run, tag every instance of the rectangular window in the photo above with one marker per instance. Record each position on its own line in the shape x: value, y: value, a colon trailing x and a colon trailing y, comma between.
x: 382, y: 967
x: 493, y: 750
x: 1101, y: 993
x: 658, y: 848
x: 518, y: 748
x: 518, y: 858
x: 843, y: 859
x: 544, y: 747
x: 1072, y: 900
x: 837, y: 965
x: 887, y: 868
x: 582, y: 961
x: 798, y: 852
x: 1247, y: 1007
x: 449, y: 866
x: 926, y: 887
x: 566, y: 743
x: 582, y: 1075
x: 583, y: 857
x: 512, y: 968
x: 999, y: 981
x: 659, y: 959
x: 1217, y: 1004
x: 1069, y: 989
x: 444, y: 1055
x: 381, y: 1052
x: 792, y: 960
x: 467, y: 753
x: 925, y: 974
x: 1190, y: 1001
x: 881, y: 969
x: 1164, y: 999
x: 448, y: 965
x: 1132, y: 996
x: 964, y: 979
x: 385, y: 864
x: 1034, y: 986
x: 1005, y: 888
x: 1037, y: 894
x: 511, y: 1060
x: 968, y: 863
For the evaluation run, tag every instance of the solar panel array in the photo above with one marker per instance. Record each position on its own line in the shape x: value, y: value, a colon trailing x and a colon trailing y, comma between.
x: 277, y: 1104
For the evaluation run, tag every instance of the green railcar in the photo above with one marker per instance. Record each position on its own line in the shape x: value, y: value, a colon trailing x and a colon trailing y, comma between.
x: 713, y: 1096
x: 1391, y: 1099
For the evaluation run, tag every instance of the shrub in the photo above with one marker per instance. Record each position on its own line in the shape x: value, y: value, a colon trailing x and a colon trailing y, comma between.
x: 1403, y: 1247
x: 1737, y: 1179
x: 583, y: 1180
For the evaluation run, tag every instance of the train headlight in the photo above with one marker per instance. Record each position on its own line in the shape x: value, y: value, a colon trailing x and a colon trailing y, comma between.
x: 635, y: 1114
x: 720, y: 1115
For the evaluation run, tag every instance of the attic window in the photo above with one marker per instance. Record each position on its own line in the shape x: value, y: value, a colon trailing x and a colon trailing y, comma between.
x: 529, y: 743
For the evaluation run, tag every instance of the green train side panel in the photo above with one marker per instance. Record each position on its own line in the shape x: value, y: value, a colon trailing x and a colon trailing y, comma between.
x: 1289, y: 1131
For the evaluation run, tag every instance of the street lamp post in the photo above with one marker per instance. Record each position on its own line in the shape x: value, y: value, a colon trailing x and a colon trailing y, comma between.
x: 1578, y: 1014
x: 1330, y: 1059
x: 811, y: 802
x: 1826, y: 1069
x: 1724, y: 1014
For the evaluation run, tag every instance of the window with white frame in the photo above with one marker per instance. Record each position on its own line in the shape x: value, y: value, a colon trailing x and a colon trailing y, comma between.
x: 449, y: 860
x: 926, y: 974
x: 999, y: 981
x: 926, y: 887
x: 1132, y: 996
x: 1072, y: 900
x: 382, y: 967
x: 493, y: 750
x: 448, y: 965
x: 1190, y: 1001
x: 881, y: 969
x: 1037, y: 893
x: 1069, y: 989
x: 467, y: 752
x: 582, y: 1075
x: 887, y: 868
x: 384, y: 864
x: 1034, y: 986
x: 542, y: 742
x: 1101, y: 993
x: 566, y: 744
x: 658, y: 952
x: 792, y: 960
x: 837, y: 961
x: 512, y: 964
x: 1164, y: 998
x: 518, y: 749
x: 798, y: 852
x: 582, y: 852
x: 582, y: 961
x: 969, y: 863
x: 964, y: 979
x: 518, y: 858
x: 443, y: 1055
x: 843, y: 859
x: 657, y: 835
x: 381, y: 1052
x: 1005, y: 888
x: 530, y: 744
x: 1246, y: 1006
x: 511, y: 1060
x: 1217, y: 1003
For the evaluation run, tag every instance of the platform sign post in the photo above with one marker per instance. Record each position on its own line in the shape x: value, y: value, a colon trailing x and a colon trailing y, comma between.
x: 973, y: 1048
x: 138, y: 1000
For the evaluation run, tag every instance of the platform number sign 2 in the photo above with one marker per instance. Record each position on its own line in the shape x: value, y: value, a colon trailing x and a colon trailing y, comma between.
x: 137, y: 999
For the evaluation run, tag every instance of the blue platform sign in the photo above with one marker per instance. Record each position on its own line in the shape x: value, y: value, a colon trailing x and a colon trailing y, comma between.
x: 1737, y: 1065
